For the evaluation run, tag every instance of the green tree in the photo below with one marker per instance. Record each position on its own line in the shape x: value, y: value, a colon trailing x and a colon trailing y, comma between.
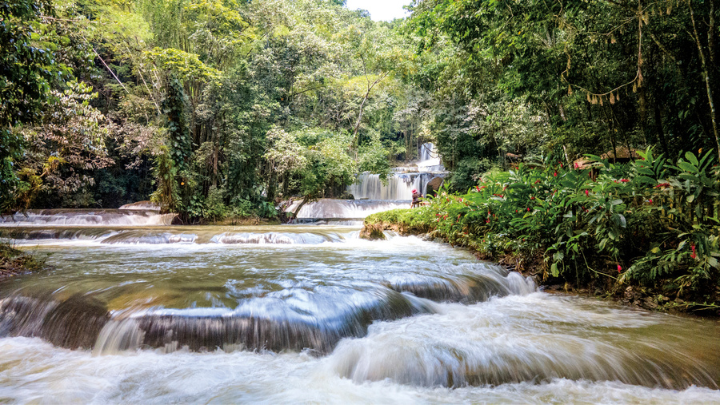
x: 27, y: 69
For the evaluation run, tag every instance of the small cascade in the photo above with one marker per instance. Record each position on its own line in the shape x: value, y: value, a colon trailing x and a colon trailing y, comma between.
x: 275, y: 238
x: 344, y: 209
x: 171, y: 235
x: 429, y: 159
x: 87, y: 217
x: 293, y: 319
x: 141, y: 206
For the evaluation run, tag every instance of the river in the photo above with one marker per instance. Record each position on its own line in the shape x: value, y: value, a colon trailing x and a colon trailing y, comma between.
x: 308, y: 313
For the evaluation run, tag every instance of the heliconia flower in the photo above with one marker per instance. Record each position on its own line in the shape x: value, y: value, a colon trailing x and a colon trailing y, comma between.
x: 487, y: 221
x: 693, y: 255
x: 587, y: 192
x: 477, y: 188
x: 576, y: 165
x: 555, y: 174
x: 619, y: 268
x: 692, y: 247
x: 516, y: 211
x: 663, y: 185
x: 650, y: 201
x: 624, y: 180
x: 461, y: 200
x: 532, y: 197
x: 528, y: 209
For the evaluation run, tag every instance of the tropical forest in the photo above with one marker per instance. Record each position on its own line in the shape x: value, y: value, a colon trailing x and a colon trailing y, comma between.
x: 359, y: 201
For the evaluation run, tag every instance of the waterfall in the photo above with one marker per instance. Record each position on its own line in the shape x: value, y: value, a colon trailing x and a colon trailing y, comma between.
x: 429, y: 159
x: 399, y: 186
x: 87, y: 217
x: 403, y: 180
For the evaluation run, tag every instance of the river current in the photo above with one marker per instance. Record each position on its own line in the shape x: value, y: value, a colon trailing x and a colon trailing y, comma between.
x: 307, y: 313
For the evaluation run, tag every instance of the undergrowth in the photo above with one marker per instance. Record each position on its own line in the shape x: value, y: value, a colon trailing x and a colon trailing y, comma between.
x: 650, y: 224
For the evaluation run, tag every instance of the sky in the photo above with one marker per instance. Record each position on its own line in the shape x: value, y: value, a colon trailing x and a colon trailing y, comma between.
x: 381, y: 10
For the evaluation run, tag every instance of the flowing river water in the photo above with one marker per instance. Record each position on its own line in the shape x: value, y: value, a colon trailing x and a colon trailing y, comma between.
x: 308, y: 313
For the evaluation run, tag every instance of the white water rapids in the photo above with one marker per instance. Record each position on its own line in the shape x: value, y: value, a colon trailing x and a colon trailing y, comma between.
x: 298, y: 314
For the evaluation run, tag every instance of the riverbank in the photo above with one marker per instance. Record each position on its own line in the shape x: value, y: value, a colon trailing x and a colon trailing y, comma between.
x: 14, y: 262
x: 533, y: 265
x: 644, y: 233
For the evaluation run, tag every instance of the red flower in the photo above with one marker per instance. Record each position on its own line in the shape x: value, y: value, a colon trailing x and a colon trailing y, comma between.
x: 532, y: 198
x: 487, y: 221
x: 587, y: 192
x: 537, y: 181
x: 624, y: 180
x: 663, y: 185
x: 555, y: 174
x: 516, y: 211
x: 650, y: 201
x: 528, y: 209
x: 576, y: 165
x: 619, y: 268
x: 477, y: 188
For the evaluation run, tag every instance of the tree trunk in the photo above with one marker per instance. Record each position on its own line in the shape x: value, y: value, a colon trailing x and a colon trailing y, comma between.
x: 705, y: 71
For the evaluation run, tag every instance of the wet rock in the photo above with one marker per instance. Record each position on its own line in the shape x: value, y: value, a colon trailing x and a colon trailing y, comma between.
x: 373, y: 232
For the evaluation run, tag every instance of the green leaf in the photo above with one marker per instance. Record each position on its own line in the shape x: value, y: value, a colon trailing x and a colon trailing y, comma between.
x: 691, y: 158
x: 554, y: 270
x: 687, y: 167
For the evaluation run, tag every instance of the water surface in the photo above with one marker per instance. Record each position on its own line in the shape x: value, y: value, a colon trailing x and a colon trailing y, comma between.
x: 278, y: 314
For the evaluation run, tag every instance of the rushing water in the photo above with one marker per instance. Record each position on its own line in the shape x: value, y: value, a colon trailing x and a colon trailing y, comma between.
x: 278, y: 314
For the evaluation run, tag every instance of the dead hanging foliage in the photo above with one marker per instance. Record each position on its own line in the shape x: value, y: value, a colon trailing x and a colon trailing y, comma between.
x: 612, y: 98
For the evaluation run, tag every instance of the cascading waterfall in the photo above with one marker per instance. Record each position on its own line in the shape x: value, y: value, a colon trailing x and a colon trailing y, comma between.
x: 87, y: 217
x: 399, y: 186
x: 401, y: 183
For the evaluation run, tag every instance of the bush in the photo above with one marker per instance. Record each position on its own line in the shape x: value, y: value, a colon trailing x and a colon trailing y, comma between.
x: 647, y: 222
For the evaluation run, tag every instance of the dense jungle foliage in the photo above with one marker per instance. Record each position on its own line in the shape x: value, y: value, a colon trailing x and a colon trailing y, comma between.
x: 224, y: 107
x: 652, y: 223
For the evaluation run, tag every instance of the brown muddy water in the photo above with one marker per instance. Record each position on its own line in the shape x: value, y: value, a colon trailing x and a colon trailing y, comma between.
x: 301, y: 313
